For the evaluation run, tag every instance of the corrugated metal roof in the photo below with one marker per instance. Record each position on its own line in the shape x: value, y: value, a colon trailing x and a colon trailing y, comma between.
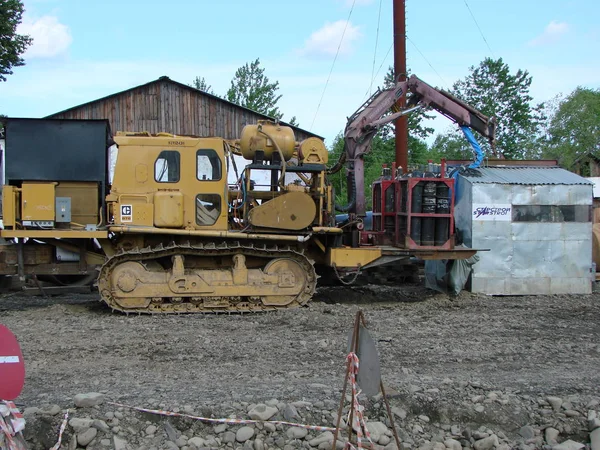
x: 524, y: 175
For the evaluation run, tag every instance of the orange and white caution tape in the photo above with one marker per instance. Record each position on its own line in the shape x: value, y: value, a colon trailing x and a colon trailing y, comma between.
x: 358, y: 419
x: 227, y: 421
x: 63, y: 425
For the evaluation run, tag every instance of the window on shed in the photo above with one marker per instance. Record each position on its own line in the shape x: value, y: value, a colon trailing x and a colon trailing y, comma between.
x: 552, y: 213
x: 166, y: 167
x: 208, y: 165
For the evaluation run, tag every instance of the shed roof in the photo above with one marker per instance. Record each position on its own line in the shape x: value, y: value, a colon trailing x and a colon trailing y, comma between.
x: 524, y: 175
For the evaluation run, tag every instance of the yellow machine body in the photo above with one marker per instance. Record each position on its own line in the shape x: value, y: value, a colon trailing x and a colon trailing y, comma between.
x: 168, y: 182
x: 175, y: 232
x: 267, y: 137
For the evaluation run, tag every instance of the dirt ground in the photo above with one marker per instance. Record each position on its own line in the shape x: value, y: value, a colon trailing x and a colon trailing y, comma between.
x: 547, y: 345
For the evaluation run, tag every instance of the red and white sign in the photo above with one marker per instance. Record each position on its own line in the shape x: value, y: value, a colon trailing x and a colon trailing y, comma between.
x: 12, y: 367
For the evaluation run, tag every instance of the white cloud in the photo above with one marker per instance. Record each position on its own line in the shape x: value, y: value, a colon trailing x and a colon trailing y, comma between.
x: 552, y: 33
x: 50, y: 37
x: 325, y: 41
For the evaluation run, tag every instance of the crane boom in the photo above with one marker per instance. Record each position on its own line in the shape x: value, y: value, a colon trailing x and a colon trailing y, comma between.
x: 373, y: 114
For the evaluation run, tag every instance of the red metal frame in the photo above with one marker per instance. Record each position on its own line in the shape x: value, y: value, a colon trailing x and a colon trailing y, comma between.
x: 405, y: 216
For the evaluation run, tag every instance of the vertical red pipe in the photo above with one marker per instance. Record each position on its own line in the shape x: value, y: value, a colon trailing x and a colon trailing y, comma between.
x: 401, y: 125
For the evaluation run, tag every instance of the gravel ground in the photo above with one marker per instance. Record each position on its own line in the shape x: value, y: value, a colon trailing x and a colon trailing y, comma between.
x: 470, y: 361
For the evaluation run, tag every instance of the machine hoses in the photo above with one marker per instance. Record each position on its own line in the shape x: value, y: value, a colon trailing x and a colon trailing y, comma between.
x: 338, y: 165
x: 352, y: 202
x: 476, y: 148
x: 282, y: 176
x: 243, y: 187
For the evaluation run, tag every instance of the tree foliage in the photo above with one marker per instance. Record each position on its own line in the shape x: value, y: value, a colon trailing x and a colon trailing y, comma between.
x: 574, y: 127
x: 12, y: 44
x: 251, y: 88
x: 201, y: 84
x: 496, y: 92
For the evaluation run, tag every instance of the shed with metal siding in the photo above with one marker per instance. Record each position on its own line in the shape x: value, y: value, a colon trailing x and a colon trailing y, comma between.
x: 536, y: 223
x: 164, y: 105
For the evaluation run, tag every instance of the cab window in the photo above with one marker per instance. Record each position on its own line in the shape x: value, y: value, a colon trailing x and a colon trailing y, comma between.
x: 208, y: 209
x: 208, y: 165
x: 166, y: 167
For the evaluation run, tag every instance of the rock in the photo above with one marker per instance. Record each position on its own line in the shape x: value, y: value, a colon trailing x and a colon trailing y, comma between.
x: 88, y: 400
x: 487, y: 443
x: 262, y: 412
x: 151, y: 429
x: 221, y: 428
x: 229, y: 437
x: 31, y: 411
x: 105, y: 442
x: 170, y: 445
x: 196, y: 442
x: 455, y: 430
x: 593, y: 424
x: 290, y: 413
x: 272, y: 402
x: 171, y: 431
x: 401, y: 413
x: 595, y: 439
x: 270, y: 427
x: 555, y: 402
x: 244, y: 433
x: 80, y: 425
x: 52, y: 410
x: 572, y: 413
x: 325, y: 437
x: 424, y: 418
x: 453, y: 444
x: 479, y: 408
x: 568, y: 445
x: 527, y: 432
x: 73, y: 443
x: 85, y: 437
x: 182, y: 441
x: 101, y: 425
x: 384, y: 440
x: 296, y: 433
x: 259, y: 444
x: 551, y: 435
x: 376, y: 429
x: 301, y: 404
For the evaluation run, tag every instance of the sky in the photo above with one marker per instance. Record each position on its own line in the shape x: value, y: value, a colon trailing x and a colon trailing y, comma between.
x: 86, y: 49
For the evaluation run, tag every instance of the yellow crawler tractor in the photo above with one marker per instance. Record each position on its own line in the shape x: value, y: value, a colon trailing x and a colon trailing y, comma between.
x: 167, y: 224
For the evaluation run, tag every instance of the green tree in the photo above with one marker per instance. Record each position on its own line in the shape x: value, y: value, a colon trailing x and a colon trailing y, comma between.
x: 496, y: 92
x: 251, y: 88
x: 574, y: 127
x: 201, y: 84
x: 12, y: 44
x: 294, y: 122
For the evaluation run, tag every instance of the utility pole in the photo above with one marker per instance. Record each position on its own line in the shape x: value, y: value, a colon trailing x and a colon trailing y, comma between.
x: 401, y: 124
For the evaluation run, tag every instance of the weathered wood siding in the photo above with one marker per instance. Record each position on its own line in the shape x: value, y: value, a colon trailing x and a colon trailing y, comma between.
x: 167, y: 106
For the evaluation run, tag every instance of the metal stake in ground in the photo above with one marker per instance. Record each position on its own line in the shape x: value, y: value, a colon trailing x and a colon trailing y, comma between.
x: 362, y: 369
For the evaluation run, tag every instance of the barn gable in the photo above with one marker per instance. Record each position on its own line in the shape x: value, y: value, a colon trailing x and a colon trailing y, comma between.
x: 164, y: 105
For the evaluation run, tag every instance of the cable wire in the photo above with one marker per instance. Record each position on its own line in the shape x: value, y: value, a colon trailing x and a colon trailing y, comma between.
x: 376, y: 43
x: 367, y: 94
x: 332, y: 65
x: 426, y: 60
x: 479, y: 28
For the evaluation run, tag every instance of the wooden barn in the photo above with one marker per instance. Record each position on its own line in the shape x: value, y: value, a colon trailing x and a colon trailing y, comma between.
x: 165, y: 105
